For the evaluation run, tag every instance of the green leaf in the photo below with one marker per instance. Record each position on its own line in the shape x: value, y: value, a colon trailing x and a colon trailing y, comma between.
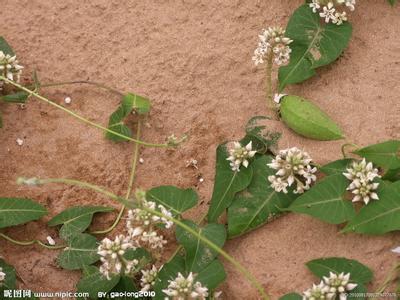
x: 359, y: 272
x: 325, y: 201
x: 18, y: 97
x: 76, y: 219
x: 125, y: 284
x: 257, y: 204
x: 5, y: 47
x: 142, y: 255
x: 175, y: 199
x: 226, y: 184
x: 198, y: 255
x: 336, y: 167
x: 93, y: 282
x: 129, y: 102
x: 385, y: 155
x: 81, y: 251
x: 262, y: 139
x: 379, y: 216
x: 212, y: 275
x: 16, y: 211
x: 291, y: 296
x: 307, y: 119
x: 10, y: 280
x: 314, y: 45
x: 169, y: 271
x: 392, y: 175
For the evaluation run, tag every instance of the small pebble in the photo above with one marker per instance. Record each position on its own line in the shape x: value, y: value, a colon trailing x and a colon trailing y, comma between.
x: 20, y: 142
x: 50, y: 241
x: 141, y: 160
x: 67, y: 100
x: 201, y: 180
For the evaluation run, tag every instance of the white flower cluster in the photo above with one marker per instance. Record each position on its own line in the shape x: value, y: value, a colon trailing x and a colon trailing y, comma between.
x: 331, y: 287
x: 182, y: 288
x: 112, y: 256
x: 362, y: 175
x: 332, y: 10
x: 239, y: 155
x: 2, y: 276
x: 141, y: 224
x: 293, y: 166
x: 9, y: 67
x: 274, y: 44
x: 148, y: 278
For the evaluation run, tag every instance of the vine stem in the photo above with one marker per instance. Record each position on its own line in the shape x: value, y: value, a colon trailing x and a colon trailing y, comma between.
x: 393, y: 273
x: 130, y: 184
x: 270, y: 101
x: 28, y: 243
x: 80, y: 118
x: 344, y: 146
x: 179, y: 223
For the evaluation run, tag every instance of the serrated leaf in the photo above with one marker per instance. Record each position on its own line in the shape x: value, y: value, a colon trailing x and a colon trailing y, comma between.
x: 385, y: 155
x: 258, y: 203
x: 291, y: 296
x: 359, y: 272
x: 10, y: 280
x: 336, y: 167
x: 16, y: 211
x: 5, y: 47
x: 262, y: 139
x: 93, y: 282
x: 81, y: 251
x: 314, y: 45
x: 307, y: 119
x: 212, y: 275
x: 379, y: 216
x: 226, y: 184
x: 325, y: 201
x: 198, y: 255
x: 174, y: 199
x: 76, y: 219
x: 169, y: 271
x: 116, y: 123
x: 18, y: 97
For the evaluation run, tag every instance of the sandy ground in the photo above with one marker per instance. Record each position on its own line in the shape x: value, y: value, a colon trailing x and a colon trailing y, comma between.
x: 193, y: 59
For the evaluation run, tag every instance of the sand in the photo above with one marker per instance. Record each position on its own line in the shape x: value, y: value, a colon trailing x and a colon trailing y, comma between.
x: 193, y: 60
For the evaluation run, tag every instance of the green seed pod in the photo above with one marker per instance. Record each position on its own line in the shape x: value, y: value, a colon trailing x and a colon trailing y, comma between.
x: 308, y: 120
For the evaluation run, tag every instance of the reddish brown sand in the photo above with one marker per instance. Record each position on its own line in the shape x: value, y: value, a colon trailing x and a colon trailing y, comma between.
x: 193, y: 59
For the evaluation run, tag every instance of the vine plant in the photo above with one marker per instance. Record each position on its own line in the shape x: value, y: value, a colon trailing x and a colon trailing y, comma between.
x: 255, y: 183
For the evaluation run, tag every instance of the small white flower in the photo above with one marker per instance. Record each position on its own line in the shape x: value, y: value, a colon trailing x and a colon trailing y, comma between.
x: 2, y: 276
x: 328, y: 12
x: 332, y: 10
x: 317, y: 292
x: 148, y: 278
x: 239, y: 155
x: 339, y: 285
x: 293, y: 167
x: 340, y: 18
x: 153, y: 239
x: 184, y: 288
x: 67, y: 100
x: 315, y: 5
x: 350, y: 4
x: 278, y: 98
x: 51, y: 241
x: 9, y: 67
x: 112, y: 256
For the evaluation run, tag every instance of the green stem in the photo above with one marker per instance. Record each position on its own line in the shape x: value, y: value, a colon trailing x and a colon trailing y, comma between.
x: 393, y: 274
x: 344, y: 146
x: 130, y: 184
x: 80, y: 118
x: 270, y: 98
x: 206, y: 241
x: 97, y: 84
x: 28, y: 243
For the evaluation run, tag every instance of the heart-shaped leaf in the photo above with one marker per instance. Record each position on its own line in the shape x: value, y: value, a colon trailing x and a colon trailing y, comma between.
x: 291, y: 296
x: 212, y: 275
x: 359, y: 272
x: 93, y: 282
x: 116, y: 123
x: 226, y: 184
x: 379, y: 216
x: 16, y: 211
x: 198, y: 255
x: 336, y: 167
x: 81, y: 251
x: 307, y: 119
x: 385, y: 155
x: 258, y: 203
x: 10, y: 280
x: 76, y: 219
x: 174, y: 199
x: 314, y: 45
x: 325, y: 201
